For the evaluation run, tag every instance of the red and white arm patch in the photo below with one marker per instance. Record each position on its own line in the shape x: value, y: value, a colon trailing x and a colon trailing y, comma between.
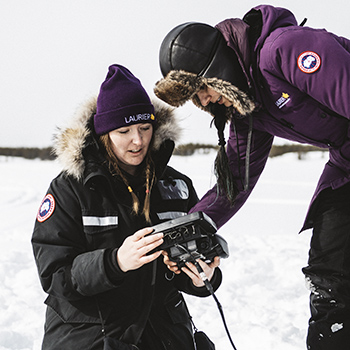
x: 309, y: 62
x: 46, y: 208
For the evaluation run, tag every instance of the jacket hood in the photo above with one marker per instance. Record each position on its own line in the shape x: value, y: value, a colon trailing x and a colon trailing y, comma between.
x: 71, y: 141
x: 273, y: 18
x: 180, y: 86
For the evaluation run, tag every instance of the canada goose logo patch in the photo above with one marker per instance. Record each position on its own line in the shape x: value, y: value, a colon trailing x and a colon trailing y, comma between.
x: 309, y: 62
x: 46, y: 209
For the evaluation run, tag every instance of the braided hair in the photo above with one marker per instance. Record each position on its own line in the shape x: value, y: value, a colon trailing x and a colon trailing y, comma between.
x: 149, y: 171
x: 223, y: 173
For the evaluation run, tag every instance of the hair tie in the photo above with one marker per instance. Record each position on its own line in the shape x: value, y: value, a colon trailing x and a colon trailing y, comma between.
x: 130, y: 189
x: 222, y: 142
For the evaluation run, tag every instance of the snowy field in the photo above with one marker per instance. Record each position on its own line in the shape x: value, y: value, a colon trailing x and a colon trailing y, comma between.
x: 263, y: 294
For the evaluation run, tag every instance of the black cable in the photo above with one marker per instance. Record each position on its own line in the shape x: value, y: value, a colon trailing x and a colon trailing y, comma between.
x: 204, y: 277
x: 210, y: 289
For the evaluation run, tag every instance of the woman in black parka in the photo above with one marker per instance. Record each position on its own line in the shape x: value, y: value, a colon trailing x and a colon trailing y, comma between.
x: 90, y: 239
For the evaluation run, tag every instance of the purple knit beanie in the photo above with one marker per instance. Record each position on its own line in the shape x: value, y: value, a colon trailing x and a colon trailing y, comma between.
x: 122, y: 101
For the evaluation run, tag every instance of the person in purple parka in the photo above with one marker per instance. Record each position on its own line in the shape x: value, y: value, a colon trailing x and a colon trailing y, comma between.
x: 267, y: 76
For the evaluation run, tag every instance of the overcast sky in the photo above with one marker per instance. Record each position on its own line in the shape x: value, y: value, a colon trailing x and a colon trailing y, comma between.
x: 55, y: 54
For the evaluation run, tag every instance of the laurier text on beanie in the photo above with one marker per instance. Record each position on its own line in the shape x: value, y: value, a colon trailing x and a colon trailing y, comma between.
x: 122, y: 101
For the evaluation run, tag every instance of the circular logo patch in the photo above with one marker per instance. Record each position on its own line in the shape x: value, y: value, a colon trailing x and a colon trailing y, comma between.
x: 309, y: 62
x: 46, y: 209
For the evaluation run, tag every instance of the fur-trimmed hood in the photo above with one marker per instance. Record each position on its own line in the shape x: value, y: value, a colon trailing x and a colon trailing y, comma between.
x: 70, y: 141
x: 179, y: 86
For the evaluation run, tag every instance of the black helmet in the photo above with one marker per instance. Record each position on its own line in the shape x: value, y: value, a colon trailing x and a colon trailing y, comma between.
x: 201, y: 49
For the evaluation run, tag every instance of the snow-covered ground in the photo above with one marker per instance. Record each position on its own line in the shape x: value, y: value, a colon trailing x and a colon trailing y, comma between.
x: 263, y: 294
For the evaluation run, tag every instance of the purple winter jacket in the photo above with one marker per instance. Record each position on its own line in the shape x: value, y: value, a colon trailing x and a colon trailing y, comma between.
x: 300, y: 101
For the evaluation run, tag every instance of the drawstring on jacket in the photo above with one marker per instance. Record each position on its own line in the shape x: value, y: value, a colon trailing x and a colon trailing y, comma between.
x: 245, y: 184
x: 247, y: 154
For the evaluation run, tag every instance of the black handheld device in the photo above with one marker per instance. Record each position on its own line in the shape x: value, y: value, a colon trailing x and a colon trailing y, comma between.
x: 191, y: 237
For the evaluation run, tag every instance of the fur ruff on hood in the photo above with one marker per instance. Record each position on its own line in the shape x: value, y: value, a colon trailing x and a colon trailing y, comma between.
x: 69, y: 142
x: 180, y: 86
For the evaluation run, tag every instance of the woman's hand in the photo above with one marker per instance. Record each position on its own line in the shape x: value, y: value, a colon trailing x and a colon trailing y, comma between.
x: 133, y: 252
x: 191, y: 271
x: 172, y: 265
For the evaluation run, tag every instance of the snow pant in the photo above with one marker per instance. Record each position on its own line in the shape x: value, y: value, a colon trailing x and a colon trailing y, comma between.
x: 328, y: 272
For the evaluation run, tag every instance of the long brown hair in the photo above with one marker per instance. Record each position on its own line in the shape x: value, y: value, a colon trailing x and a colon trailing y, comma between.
x: 149, y: 172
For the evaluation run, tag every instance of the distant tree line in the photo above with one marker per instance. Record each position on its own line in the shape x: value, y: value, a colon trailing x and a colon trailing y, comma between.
x: 28, y: 153
x: 278, y: 150
x: 189, y: 148
x: 181, y: 150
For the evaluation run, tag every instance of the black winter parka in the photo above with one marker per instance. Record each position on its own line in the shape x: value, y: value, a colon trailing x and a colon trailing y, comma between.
x: 83, y: 219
